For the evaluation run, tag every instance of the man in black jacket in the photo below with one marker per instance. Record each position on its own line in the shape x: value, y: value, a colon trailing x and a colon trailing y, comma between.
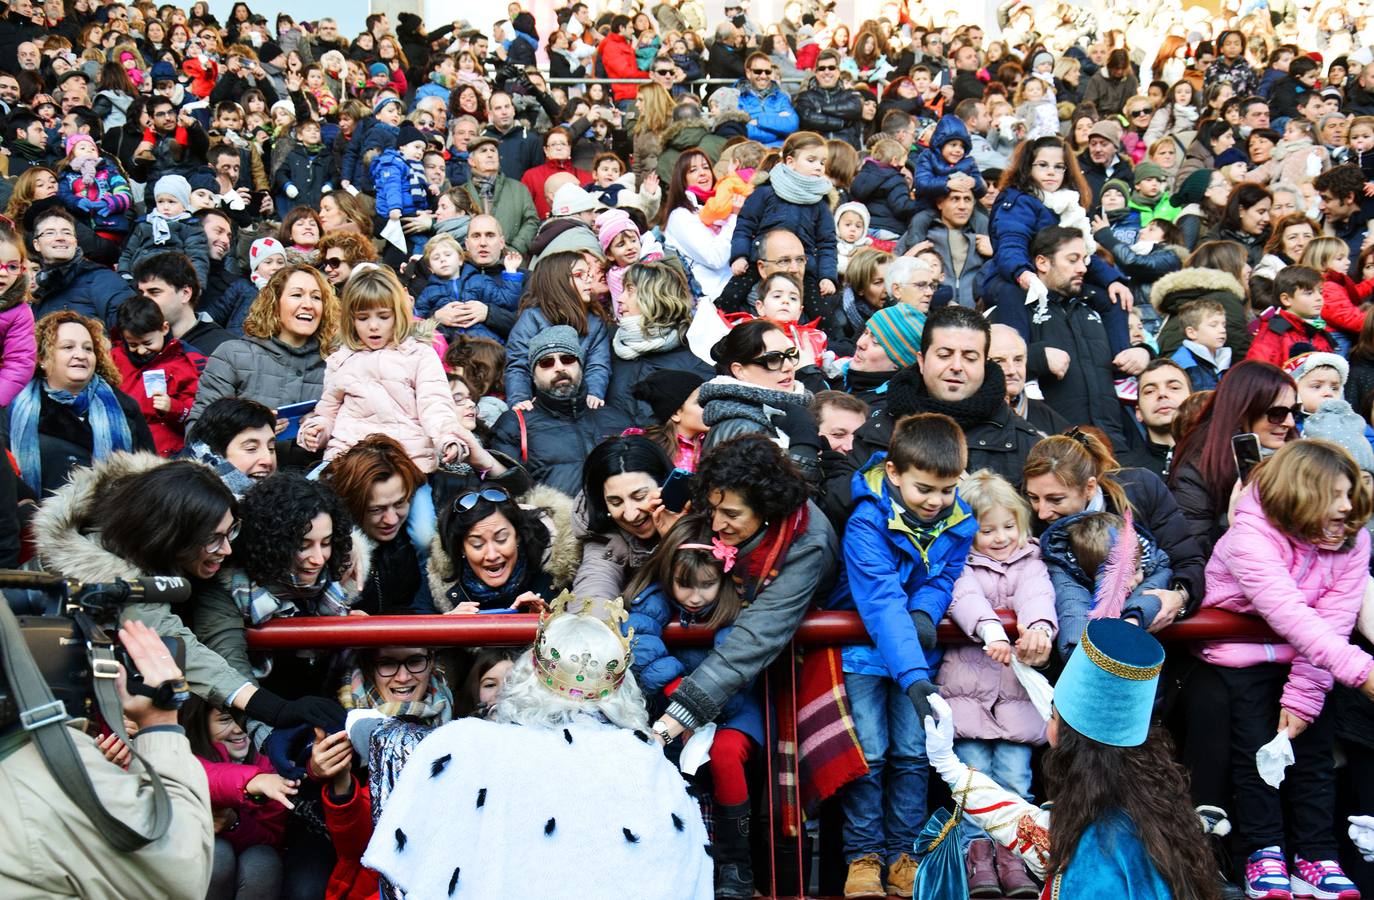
x: 1080, y: 340
x: 1103, y: 160
x: 552, y: 439
x: 727, y: 53
x: 521, y: 149
x: 829, y: 108
x: 16, y: 27
x: 1009, y: 351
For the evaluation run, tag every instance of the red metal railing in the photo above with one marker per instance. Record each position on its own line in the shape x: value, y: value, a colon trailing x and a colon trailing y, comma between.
x: 818, y: 628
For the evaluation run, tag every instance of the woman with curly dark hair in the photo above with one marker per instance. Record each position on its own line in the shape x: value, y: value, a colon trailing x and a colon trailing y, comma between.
x: 1122, y: 824
x: 781, y: 552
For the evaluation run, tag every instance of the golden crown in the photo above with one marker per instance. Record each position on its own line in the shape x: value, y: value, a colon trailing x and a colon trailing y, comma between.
x: 582, y: 675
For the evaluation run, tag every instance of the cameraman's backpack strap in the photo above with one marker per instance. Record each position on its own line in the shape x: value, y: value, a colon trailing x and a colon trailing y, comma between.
x: 45, y: 718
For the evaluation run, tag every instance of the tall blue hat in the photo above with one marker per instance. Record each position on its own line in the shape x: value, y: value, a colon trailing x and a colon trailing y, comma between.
x: 1107, y: 691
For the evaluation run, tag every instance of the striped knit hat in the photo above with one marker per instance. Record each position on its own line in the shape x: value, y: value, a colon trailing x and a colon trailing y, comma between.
x: 897, y: 329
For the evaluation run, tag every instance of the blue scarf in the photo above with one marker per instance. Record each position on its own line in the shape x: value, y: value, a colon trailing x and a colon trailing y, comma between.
x: 97, y: 403
x: 489, y: 597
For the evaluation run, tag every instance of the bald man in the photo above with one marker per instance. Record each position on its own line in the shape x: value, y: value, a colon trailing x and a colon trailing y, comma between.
x: 1008, y: 350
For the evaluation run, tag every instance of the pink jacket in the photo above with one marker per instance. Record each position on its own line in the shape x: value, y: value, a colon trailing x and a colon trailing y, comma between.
x: 1309, y: 595
x: 988, y: 702
x: 400, y: 391
x: 18, y: 351
x: 259, y: 822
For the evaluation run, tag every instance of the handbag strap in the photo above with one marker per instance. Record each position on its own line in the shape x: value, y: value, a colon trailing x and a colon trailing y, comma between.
x: 524, y: 437
x: 45, y: 718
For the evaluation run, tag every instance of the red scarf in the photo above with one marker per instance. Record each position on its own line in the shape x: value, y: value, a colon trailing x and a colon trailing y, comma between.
x: 765, y: 560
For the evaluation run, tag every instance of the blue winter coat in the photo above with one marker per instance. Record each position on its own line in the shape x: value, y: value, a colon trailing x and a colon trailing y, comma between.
x: 231, y: 308
x: 93, y: 290
x: 400, y: 184
x: 596, y: 356
x: 313, y: 176
x: 885, y: 192
x: 771, y: 116
x: 471, y: 284
x: 886, y: 577
x: 930, y: 172
x: 457, y: 170
x: 655, y: 666
x: 813, y: 225
x: 379, y: 137
x: 430, y: 89
x: 1014, y: 222
x: 1073, y: 587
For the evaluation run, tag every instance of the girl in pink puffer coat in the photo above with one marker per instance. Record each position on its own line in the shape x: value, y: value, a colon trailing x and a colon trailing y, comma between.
x: 1297, y: 555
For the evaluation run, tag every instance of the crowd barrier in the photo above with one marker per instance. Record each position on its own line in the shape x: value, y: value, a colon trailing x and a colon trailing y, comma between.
x: 786, y: 857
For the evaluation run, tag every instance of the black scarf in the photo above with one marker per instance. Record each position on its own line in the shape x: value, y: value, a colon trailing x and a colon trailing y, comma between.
x: 55, y: 277
x: 859, y: 382
x: 25, y: 150
x: 907, y: 395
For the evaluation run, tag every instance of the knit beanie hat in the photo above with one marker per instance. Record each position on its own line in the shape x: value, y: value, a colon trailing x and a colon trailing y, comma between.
x: 1231, y: 157
x: 666, y: 390
x: 1116, y: 184
x: 377, y: 69
x: 1149, y: 169
x: 376, y: 107
x: 1336, y: 422
x: 163, y: 71
x: 1108, y: 130
x: 855, y: 207
x: 1039, y: 59
x: 285, y: 106
x: 1303, y: 363
x: 409, y: 135
x: 174, y: 186
x: 726, y: 99
x: 610, y: 224
x: 261, y: 249
x: 1194, y: 187
x: 78, y: 138
x: 557, y: 339
x: 204, y: 180
x: 897, y: 329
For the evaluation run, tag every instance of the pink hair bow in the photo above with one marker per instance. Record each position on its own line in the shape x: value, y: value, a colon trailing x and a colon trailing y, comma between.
x: 725, y: 553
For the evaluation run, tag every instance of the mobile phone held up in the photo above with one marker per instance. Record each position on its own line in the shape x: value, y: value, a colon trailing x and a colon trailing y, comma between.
x: 676, y: 490
x: 1246, y: 448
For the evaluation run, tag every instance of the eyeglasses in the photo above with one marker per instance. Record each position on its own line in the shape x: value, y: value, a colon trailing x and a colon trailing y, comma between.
x: 415, y: 665
x: 216, y: 540
x: 664, y: 72
x: 13, y: 268
x: 1054, y: 167
x: 760, y: 71
x: 927, y: 287
x: 56, y: 232
x: 332, y: 262
x: 1277, y: 415
x: 465, y: 401
x: 491, y: 495
x: 827, y: 68
x: 562, y: 359
x: 774, y: 360
x: 788, y: 262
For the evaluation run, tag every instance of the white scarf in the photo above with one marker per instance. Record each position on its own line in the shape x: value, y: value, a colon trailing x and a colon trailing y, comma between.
x: 1068, y: 207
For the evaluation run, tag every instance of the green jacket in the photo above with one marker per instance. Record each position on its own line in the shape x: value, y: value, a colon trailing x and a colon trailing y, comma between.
x: 1163, y: 209
x: 513, y: 207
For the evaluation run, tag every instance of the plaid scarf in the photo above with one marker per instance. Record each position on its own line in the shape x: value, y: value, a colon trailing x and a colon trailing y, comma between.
x: 764, y: 562
x: 359, y: 692
x: 258, y: 603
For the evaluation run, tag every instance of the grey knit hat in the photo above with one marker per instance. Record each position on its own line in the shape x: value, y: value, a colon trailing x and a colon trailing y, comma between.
x: 726, y: 99
x: 555, y: 339
x: 1336, y: 422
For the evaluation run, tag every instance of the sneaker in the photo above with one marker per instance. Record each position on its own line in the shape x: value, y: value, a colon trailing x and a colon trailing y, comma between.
x: 1322, y: 879
x: 901, y: 876
x: 1266, y: 876
x: 865, y: 878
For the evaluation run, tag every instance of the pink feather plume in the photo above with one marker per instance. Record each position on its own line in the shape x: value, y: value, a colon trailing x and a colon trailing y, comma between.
x: 1118, y: 572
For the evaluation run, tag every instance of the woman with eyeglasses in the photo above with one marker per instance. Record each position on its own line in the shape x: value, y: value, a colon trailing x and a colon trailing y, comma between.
x: 1042, y: 186
x: 1252, y: 398
x: 558, y: 145
x: 492, y: 554
x: 137, y: 515
x: 756, y: 391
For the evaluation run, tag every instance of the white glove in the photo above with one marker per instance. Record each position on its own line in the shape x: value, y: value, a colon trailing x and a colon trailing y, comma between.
x: 292, y: 191
x: 940, y: 741
x: 1362, y: 833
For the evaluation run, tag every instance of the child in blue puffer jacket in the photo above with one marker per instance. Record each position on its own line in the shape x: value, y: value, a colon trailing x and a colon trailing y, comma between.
x: 686, y: 581
x: 453, y: 283
x: 948, y: 160
x: 399, y: 176
x: 94, y: 190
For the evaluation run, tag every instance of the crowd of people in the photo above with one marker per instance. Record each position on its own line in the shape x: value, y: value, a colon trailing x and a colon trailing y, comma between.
x: 1014, y: 328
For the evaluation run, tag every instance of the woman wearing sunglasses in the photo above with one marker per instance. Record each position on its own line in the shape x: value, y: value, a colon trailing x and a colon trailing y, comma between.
x: 492, y: 554
x: 1253, y: 398
x: 756, y: 391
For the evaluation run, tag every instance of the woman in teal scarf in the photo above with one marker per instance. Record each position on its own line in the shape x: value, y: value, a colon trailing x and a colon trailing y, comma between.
x: 71, y: 414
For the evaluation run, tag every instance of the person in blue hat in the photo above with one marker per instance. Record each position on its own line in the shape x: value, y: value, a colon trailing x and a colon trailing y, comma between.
x: 1122, y: 816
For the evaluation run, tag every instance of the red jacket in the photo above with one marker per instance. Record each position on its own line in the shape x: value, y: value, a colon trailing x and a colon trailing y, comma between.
x: 618, y: 59
x: 350, y: 827
x: 203, y: 77
x: 259, y: 822
x: 1279, y: 331
x: 1341, y: 299
x: 534, y: 179
x: 182, y: 368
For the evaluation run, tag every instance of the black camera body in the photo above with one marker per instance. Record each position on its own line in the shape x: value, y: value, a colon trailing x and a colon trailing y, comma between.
x: 61, y: 620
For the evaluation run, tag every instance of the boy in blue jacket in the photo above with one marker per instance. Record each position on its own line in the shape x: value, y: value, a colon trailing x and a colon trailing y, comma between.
x: 949, y: 159
x: 399, y: 176
x: 904, y: 547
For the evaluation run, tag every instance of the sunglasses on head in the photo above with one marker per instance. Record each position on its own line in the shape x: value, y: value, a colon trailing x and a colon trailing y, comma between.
x: 774, y: 360
x: 1277, y: 415
x: 562, y: 359
x: 469, y: 500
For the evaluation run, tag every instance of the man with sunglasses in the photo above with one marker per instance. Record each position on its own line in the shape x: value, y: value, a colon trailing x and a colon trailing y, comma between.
x: 552, y: 438
x: 827, y: 107
x: 771, y: 115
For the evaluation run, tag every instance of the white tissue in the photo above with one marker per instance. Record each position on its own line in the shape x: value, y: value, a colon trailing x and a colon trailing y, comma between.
x: 1362, y: 834
x: 1037, y: 686
x: 394, y: 234
x: 697, y: 750
x: 1274, y: 757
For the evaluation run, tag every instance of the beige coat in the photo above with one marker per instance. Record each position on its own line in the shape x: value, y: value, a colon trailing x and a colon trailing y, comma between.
x: 52, y: 850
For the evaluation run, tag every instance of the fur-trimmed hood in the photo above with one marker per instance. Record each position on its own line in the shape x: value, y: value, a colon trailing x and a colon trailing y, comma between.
x: 1173, y: 290
x: 692, y: 130
x: 561, y: 559
x: 726, y: 116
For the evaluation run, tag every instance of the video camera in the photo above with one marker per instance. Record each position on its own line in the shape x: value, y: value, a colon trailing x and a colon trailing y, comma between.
x: 63, y: 621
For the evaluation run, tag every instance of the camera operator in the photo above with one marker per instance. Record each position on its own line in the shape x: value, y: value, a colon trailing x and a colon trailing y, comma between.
x: 55, y: 850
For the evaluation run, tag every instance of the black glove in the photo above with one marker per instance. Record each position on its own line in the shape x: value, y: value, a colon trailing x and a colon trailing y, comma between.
x: 925, y: 629
x: 800, y: 427
x: 320, y: 712
x: 288, y: 749
x: 920, y: 692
